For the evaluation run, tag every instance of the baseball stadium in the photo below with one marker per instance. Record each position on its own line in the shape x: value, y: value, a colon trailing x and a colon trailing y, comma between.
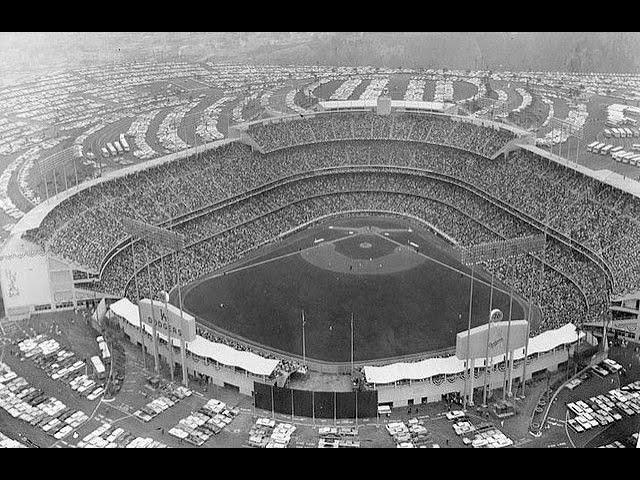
x: 326, y: 252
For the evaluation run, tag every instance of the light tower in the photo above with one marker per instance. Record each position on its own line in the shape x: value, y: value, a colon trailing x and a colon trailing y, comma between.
x: 570, y: 130
x: 480, y: 253
x: 175, y: 242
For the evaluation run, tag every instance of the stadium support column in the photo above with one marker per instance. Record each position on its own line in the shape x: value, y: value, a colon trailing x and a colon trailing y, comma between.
x: 468, y: 397
x: 183, y: 346
x: 352, y: 344
x: 526, y: 350
x: 510, y: 376
x: 486, y: 356
x: 75, y: 170
x: 166, y: 307
x: 356, y: 395
x: 55, y: 181
x: 46, y: 187
x: 558, y: 149
x: 154, y: 332
x: 142, y: 330
x: 507, y: 363
x: 304, y: 343
x: 605, y: 336
x: 559, y: 153
x: 43, y: 178
x: 273, y: 406
x: 541, y: 276
x: 472, y: 372
x: 195, y: 138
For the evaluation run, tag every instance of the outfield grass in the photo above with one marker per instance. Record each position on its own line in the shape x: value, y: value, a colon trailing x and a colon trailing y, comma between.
x: 416, y: 310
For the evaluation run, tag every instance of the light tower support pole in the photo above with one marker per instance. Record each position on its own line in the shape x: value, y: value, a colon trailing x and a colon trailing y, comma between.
x: 479, y: 253
x: 142, y: 329
x: 526, y: 349
x: 487, y: 372
x: 468, y: 396
x: 163, y: 237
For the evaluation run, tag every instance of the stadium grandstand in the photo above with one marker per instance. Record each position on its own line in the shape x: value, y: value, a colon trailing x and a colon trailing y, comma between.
x: 473, y: 179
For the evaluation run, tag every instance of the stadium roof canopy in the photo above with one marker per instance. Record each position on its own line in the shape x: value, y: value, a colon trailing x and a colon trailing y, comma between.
x: 397, y: 104
x: 219, y: 352
x: 452, y: 365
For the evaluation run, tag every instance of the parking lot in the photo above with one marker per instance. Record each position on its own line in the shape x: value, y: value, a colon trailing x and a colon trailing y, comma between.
x: 602, y: 407
x: 150, y: 412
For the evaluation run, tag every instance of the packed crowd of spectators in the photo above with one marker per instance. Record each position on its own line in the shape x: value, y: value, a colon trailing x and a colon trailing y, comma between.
x: 225, y: 236
x: 285, y: 366
x: 300, y: 183
x: 434, y: 129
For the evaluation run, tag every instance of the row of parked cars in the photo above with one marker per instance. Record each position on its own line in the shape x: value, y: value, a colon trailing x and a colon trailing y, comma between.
x: 266, y: 433
x: 489, y: 437
x: 483, y: 435
x: 604, y: 409
x: 167, y: 133
x: 606, y: 367
x: 30, y: 404
x: 463, y: 427
x: 61, y: 364
x: 338, y: 437
x: 207, y: 421
x: 110, y: 436
x: 6, y: 442
x: 412, y: 434
x: 172, y: 394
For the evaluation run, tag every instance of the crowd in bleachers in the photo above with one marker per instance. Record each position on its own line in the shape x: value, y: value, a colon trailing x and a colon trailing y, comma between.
x: 219, y: 239
x: 284, y: 367
x: 569, y: 287
x: 423, y: 128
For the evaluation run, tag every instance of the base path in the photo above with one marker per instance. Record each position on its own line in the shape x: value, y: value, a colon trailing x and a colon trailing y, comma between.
x: 365, y: 251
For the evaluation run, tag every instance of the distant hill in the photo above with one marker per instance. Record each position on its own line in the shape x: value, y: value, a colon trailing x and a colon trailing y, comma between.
x: 557, y: 51
x: 26, y: 53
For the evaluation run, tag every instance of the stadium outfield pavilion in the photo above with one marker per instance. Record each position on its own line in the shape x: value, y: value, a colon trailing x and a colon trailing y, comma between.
x: 471, y: 180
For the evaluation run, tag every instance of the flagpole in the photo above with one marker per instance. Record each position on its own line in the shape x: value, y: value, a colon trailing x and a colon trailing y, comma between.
x: 526, y: 347
x: 142, y: 329
x: 486, y: 359
x: 351, y: 343
x: 506, y: 355
x: 304, y: 348
x: 468, y: 397
x: 154, y: 330
x: 166, y: 308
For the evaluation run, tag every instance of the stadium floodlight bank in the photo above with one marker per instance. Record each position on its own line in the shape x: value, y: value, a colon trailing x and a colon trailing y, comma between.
x: 58, y: 163
x: 159, y: 236
x: 481, y: 253
x: 501, y: 249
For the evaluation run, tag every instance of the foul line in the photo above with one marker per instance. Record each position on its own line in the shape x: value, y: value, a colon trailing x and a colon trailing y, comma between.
x: 488, y: 284
x: 295, y: 252
x: 279, y: 257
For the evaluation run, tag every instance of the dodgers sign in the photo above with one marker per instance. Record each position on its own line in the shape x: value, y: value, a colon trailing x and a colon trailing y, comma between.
x: 168, y: 319
x: 497, y: 339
